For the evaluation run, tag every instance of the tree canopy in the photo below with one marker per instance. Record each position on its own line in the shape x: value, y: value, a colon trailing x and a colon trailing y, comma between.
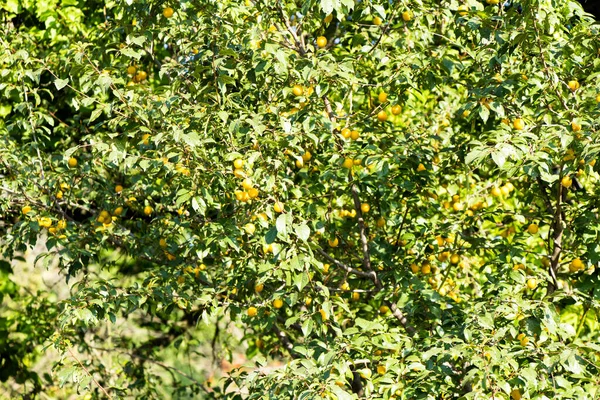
x: 371, y: 199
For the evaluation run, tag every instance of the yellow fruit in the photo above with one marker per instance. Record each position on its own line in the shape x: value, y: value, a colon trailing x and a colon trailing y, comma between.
x: 252, y: 311
x: 306, y: 156
x: 457, y: 206
x: 576, y: 265
x: 278, y: 207
x: 308, y: 301
x: 524, y: 341
x: 566, y: 181
x: 259, y: 287
x: 415, y: 268
x: 515, y: 394
x: 118, y: 211
x: 238, y: 163
x: 299, y: 162
x: 365, y: 373
x: 62, y: 224
x: 598, y: 98
x: 575, y: 126
x: 268, y: 248
x: 493, y: 2
x: 355, y: 296
x: 462, y: 10
x: 573, y: 85
x: 323, y: 314
x: 45, y: 222
x: 382, y: 116
x: 407, y: 16
x: 354, y: 135
x: 162, y: 243
x: 365, y: 207
x: 72, y: 162
x: 321, y: 41
x: 382, y: 97
x: 298, y: 90
x: 518, y: 124
x: 239, y: 173
x: 247, y: 183
x: 345, y: 286
x: 384, y: 309
x: 250, y: 228
x: 533, y: 229
x: 426, y: 268
x: 496, y: 192
x: 357, y: 161
x: 131, y: 70
x: 531, y: 283
x: 396, y: 109
x: 454, y: 259
x: 145, y: 137
x: 253, y: 193
x: 148, y: 210
x: 381, y: 222
x: 348, y: 163
x: 328, y: 18
x: 25, y: 210
x: 346, y: 133
x: 377, y: 20
x: 325, y: 268
x: 118, y: 189
x: 277, y: 303
x: 421, y: 168
x: 139, y: 77
x: 168, y: 12
x: 381, y: 369
x: 333, y: 242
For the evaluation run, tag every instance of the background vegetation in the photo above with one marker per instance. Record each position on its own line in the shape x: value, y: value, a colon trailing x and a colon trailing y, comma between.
x: 324, y: 199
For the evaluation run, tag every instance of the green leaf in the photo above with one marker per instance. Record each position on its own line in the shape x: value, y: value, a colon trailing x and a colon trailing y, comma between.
x: 281, y: 224
x: 303, y: 232
x: 60, y: 83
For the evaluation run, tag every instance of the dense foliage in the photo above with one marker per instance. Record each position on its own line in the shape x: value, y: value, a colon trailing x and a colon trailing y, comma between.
x: 396, y: 199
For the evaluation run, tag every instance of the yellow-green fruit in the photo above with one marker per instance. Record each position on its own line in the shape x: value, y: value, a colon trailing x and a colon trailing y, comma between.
x: 321, y: 41
x: 168, y: 12
x: 277, y: 303
x: 533, y: 229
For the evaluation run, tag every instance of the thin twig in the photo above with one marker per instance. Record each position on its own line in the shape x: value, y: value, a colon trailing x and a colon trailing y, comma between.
x: 89, y: 374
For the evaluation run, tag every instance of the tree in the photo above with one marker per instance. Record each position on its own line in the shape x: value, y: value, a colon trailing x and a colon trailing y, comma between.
x: 396, y: 199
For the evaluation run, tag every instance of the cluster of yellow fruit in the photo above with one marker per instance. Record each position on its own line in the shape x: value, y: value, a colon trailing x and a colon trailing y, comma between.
x: 342, y: 213
x: 105, y: 218
x: 502, y: 191
x: 46, y: 222
x: 63, y: 187
x: 523, y: 339
x: 576, y: 265
x: 348, y: 163
x: 350, y: 134
x: 249, y: 192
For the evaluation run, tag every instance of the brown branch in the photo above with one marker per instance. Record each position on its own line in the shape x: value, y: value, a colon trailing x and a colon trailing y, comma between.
x: 557, y: 232
x: 344, y: 266
x: 396, y: 312
x: 363, y: 236
x: 299, y: 47
x: 89, y: 374
x: 285, y: 340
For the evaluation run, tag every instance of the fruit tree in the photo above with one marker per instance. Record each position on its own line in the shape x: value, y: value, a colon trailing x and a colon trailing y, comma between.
x: 366, y: 199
